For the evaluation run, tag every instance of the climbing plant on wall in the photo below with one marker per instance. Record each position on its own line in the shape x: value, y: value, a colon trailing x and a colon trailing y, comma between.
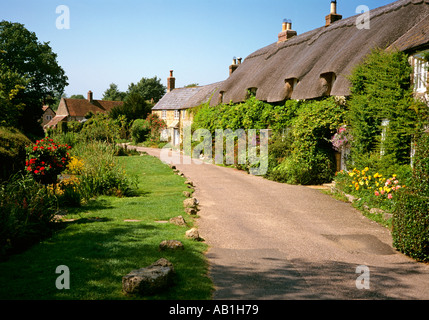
x: 383, y: 113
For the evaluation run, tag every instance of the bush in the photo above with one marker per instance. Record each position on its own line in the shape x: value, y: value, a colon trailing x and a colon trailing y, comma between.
x: 411, y: 226
x: 411, y: 216
x: 99, y: 172
x: 46, y: 160
x: 12, y: 151
x: 101, y: 127
x: 381, y: 90
x: 27, y: 209
x: 140, y: 130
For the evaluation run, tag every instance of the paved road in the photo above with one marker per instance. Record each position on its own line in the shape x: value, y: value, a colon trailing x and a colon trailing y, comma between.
x: 276, y: 241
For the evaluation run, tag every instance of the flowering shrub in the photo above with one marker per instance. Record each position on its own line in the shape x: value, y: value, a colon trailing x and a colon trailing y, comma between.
x: 46, y: 160
x: 156, y: 126
x: 67, y: 191
x: 374, y: 189
x: 341, y: 139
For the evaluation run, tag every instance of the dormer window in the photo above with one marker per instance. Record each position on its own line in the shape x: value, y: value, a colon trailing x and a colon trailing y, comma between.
x: 251, y: 92
x: 290, y: 85
x: 221, y: 93
x: 327, y: 81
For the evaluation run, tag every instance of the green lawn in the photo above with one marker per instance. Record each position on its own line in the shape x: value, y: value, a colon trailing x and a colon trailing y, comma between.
x: 99, y: 247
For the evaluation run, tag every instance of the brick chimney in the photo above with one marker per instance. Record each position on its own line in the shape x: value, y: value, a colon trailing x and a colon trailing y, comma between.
x: 171, y: 82
x: 333, y: 16
x: 287, y: 31
x: 233, y: 66
x: 90, y: 97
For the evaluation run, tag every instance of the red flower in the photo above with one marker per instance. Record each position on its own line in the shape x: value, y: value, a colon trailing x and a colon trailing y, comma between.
x: 36, y: 171
x: 34, y: 148
x: 28, y: 168
x: 42, y: 168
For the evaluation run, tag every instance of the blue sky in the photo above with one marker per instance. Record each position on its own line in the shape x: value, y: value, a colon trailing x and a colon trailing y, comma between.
x: 121, y: 41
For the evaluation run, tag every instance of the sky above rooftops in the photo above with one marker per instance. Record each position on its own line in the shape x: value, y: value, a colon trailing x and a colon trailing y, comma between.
x: 121, y: 41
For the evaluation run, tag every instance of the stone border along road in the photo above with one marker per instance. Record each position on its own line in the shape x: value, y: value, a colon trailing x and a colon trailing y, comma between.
x: 273, y: 241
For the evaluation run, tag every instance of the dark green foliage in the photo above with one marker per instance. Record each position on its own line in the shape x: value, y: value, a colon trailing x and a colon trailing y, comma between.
x: 148, y: 88
x: 381, y: 90
x: 140, y: 130
x: 35, y: 63
x: 134, y: 107
x: 113, y: 93
x: 12, y: 151
x: 411, y: 217
x: 26, y: 212
x: 311, y: 159
x: 299, y: 150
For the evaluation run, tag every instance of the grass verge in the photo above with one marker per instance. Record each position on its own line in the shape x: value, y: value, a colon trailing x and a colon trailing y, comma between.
x: 99, y: 246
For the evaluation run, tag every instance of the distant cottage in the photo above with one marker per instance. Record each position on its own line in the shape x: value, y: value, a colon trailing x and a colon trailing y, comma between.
x: 314, y: 64
x: 48, y: 115
x: 174, y: 107
x: 77, y: 109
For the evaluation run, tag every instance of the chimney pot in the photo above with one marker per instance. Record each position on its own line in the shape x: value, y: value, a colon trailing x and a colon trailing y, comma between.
x: 333, y: 16
x: 234, y: 65
x: 287, y: 31
x: 334, y: 7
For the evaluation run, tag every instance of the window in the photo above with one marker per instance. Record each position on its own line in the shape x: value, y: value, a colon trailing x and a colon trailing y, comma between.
x: 183, y: 114
x: 251, y: 92
x: 420, y: 74
x: 48, y: 117
x: 384, y: 126
x: 164, y: 114
x: 327, y: 81
x: 290, y: 85
x: 176, y: 114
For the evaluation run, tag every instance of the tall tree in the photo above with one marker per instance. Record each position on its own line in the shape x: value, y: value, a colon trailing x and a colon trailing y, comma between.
x: 23, y: 54
x: 148, y: 89
x: 113, y: 93
x: 134, y: 107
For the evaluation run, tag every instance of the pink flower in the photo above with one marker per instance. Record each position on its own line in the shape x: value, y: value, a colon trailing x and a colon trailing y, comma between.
x: 390, y: 196
x: 377, y: 193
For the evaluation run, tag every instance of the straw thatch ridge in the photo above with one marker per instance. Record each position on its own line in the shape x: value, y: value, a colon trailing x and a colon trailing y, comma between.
x: 309, y: 61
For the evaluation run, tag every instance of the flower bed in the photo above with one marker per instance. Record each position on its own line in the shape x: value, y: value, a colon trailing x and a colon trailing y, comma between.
x: 373, y: 188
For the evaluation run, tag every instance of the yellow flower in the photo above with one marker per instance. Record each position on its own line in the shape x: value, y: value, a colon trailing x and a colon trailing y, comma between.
x: 75, y: 165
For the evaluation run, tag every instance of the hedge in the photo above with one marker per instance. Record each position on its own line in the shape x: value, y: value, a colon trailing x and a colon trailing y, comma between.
x: 12, y: 151
x: 411, y: 216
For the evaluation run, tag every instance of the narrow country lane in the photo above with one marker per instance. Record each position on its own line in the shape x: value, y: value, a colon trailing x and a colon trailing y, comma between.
x: 276, y: 241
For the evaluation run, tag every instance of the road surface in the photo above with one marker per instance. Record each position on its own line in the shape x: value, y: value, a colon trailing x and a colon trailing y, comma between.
x: 274, y: 241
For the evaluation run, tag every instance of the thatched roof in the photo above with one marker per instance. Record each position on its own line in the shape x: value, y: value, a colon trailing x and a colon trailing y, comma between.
x: 336, y: 49
x: 185, y: 98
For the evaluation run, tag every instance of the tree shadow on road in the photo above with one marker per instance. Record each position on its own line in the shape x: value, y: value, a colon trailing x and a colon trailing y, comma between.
x: 271, y: 278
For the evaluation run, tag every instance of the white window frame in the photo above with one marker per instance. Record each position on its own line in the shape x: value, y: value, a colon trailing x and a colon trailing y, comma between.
x: 176, y: 114
x: 164, y: 114
x: 420, y: 74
